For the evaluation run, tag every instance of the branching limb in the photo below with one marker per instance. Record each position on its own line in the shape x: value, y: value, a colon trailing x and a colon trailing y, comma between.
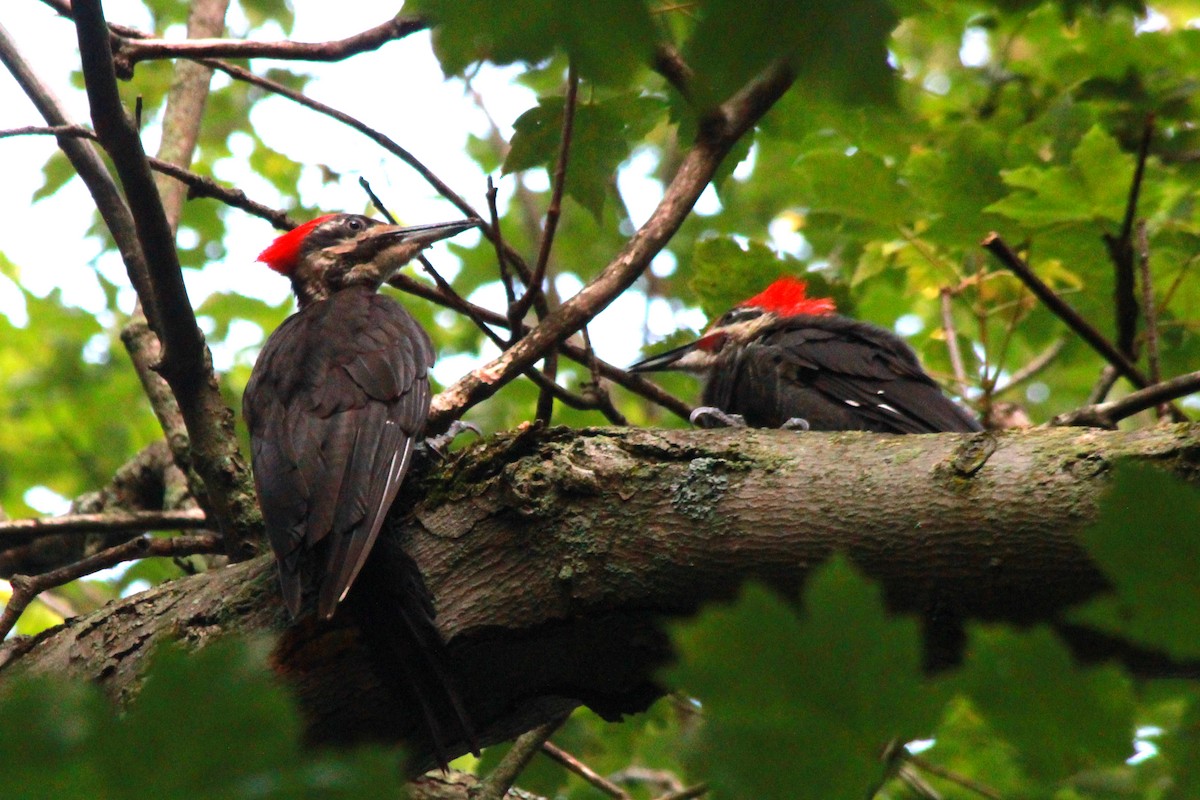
x: 634, y: 383
x: 25, y: 588
x: 185, y: 361
x: 1063, y: 311
x: 717, y: 135
x: 1107, y: 415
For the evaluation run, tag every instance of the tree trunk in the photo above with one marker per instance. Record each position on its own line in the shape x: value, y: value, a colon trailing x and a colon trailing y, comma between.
x: 553, y: 555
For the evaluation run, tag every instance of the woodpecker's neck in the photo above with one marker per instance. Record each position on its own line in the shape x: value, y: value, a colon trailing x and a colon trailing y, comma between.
x: 322, y: 272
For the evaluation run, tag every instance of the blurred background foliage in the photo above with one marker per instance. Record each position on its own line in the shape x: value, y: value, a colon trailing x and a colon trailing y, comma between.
x: 915, y: 128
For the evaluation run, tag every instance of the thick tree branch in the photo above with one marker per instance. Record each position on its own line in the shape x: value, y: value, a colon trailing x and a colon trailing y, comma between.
x: 718, y: 134
x: 554, y: 555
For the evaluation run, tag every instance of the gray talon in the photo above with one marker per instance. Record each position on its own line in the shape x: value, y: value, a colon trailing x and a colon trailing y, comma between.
x: 711, y: 417
x: 795, y: 424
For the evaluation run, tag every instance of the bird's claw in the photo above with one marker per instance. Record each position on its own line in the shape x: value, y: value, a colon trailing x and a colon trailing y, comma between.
x: 712, y: 417
x: 795, y: 424
x: 438, y: 444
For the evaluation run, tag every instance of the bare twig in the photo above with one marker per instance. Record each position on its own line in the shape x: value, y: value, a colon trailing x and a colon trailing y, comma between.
x: 109, y: 522
x: 198, y: 185
x: 501, y: 779
x: 717, y: 135
x: 25, y: 588
x: 1121, y: 251
x: 1107, y: 415
x: 1063, y: 311
x: 141, y: 49
x: 688, y: 793
x: 1105, y: 381
x: 501, y: 261
x: 1149, y: 309
x: 1031, y: 369
x: 949, y: 775
x: 554, y: 211
x: 583, y: 770
x: 484, y: 318
x: 956, y: 359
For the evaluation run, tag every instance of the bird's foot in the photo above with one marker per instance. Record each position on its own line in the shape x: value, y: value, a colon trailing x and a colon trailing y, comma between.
x: 439, y: 444
x: 795, y: 424
x: 712, y: 417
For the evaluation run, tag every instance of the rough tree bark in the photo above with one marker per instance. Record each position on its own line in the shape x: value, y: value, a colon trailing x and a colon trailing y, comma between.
x: 554, y: 555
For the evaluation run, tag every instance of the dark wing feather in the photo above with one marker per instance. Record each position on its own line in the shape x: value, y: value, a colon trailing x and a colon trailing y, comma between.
x: 839, y: 374
x: 339, y: 394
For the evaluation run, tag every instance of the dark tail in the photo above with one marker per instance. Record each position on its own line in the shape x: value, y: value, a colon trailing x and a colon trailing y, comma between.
x: 394, y: 612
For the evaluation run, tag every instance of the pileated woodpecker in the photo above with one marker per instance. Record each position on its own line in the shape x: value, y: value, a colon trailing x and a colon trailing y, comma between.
x: 337, y: 398
x: 783, y: 359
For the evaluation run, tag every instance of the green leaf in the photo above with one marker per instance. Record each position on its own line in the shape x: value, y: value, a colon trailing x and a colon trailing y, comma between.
x: 727, y: 272
x: 603, y: 136
x: 817, y: 697
x: 212, y: 723
x: 837, y: 49
x: 1147, y: 542
x: 608, y: 42
x: 1094, y: 186
x: 1060, y: 718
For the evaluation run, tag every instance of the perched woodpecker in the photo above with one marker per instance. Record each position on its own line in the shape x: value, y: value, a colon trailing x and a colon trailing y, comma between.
x: 337, y: 399
x: 783, y: 359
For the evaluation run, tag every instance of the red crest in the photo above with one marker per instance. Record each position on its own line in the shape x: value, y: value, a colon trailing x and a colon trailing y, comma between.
x: 281, y: 254
x: 787, y: 297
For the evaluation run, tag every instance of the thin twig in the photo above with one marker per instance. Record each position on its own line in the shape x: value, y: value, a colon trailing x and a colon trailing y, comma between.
x: 198, y: 185
x: 949, y: 775
x: 1121, y: 251
x: 634, y: 383
x: 502, y: 262
x: 994, y: 244
x: 688, y: 793
x: 956, y: 359
x: 1033, y: 367
x: 1107, y: 415
x: 26, y: 588
x: 108, y: 522
x: 454, y: 301
x: 1105, y: 381
x: 1149, y: 310
x: 554, y: 211
x: 594, y: 389
x: 141, y: 49
x: 583, y: 770
x: 500, y: 780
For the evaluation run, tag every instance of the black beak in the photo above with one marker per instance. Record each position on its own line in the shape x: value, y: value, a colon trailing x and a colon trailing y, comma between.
x: 663, y: 361
x: 423, y: 234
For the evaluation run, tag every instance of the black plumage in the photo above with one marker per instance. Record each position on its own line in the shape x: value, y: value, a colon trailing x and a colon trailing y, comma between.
x: 834, y: 372
x: 337, y: 398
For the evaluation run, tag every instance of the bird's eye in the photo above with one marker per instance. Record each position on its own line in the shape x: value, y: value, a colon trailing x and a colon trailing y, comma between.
x: 355, y: 224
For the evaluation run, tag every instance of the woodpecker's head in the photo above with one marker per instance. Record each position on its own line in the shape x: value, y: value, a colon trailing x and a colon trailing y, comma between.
x: 739, y: 326
x: 335, y: 251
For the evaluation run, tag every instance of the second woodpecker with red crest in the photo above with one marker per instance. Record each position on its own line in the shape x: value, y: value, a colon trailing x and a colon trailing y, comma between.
x: 783, y: 359
x: 337, y: 399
